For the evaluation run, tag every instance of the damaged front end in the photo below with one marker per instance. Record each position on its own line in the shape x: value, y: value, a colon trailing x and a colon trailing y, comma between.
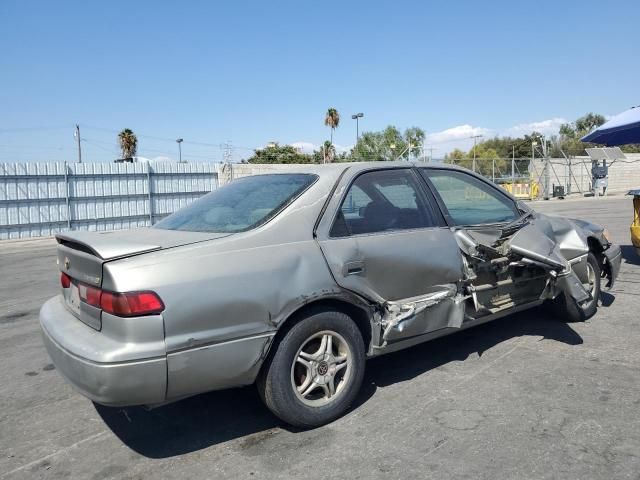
x: 509, y: 267
x: 505, y: 269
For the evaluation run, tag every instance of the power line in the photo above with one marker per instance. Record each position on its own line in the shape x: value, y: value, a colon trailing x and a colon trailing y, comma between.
x: 29, y: 129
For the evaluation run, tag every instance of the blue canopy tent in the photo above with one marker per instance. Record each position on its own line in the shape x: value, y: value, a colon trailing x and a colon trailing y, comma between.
x: 620, y: 130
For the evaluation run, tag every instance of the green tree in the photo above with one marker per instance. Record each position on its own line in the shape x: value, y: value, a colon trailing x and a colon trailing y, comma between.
x: 455, y: 155
x: 570, y: 133
x: 384, y: 145
x: 488, y: 161
x: 389, y: 144
x: 276, y: 153
x: 332, y: 120
x: 328, y: 151
x: 414, y: 139
x: 128, y: 143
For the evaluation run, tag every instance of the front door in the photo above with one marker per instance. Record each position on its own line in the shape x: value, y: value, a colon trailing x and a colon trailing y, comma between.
x: 382, y: 240
x: 489, y: 216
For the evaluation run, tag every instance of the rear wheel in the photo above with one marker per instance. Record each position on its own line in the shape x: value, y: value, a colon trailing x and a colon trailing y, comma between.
x: 568, y: 309
x: 316, y: 370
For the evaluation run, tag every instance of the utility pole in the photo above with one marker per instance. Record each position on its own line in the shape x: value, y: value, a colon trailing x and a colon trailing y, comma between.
x: 77, y: 135
x: 475, y: 137
x: 227, y: 152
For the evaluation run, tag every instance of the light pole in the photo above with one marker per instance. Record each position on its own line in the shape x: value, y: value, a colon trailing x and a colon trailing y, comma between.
x: 356, y: 117
x: 77, y: 135
x: 179, y: 142
x: 475, y: 137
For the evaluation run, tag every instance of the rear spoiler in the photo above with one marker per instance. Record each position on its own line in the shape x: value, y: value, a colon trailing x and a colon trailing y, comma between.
x: 105, y: 245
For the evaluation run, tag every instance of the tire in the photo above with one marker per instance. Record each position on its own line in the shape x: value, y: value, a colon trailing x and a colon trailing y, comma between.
x: 301, y: 394
x: 565, y: 308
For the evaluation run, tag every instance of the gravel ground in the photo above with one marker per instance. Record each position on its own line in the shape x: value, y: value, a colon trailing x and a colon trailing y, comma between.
x: 523, y: 397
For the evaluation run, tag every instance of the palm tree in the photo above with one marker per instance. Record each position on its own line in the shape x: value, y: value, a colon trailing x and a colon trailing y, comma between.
x: 329, y: 151
x: 332, y: 120
x: 128, y: 143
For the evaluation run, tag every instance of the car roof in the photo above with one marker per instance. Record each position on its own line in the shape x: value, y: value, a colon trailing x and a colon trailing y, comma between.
x: 336, y: 169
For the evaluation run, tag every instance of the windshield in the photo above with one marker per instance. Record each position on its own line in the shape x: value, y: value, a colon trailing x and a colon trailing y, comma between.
x: 241, y: 205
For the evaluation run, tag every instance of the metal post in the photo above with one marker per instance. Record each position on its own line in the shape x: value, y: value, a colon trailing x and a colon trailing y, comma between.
x: 513, y: 164
x: 66, y: 194
x: 546, y: 168
x: 149, y: 194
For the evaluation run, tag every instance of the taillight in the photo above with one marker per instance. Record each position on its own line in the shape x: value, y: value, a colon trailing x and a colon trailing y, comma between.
x: 131, y: 304
x: 89, y: 294
x: 65, y: 280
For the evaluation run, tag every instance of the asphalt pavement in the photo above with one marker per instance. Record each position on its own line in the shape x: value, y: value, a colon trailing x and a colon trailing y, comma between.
x: 526, y: 397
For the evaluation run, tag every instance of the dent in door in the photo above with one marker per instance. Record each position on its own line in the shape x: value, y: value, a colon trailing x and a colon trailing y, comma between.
x: 442, y: 308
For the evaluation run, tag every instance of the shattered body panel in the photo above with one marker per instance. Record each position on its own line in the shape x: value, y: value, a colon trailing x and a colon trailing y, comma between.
x: 227, y: 296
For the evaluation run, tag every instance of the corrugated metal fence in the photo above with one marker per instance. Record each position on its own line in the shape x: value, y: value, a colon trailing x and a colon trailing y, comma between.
x: 40, y: 199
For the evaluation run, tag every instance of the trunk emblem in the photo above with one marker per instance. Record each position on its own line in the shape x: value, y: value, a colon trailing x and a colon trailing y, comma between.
x: 67, y: 263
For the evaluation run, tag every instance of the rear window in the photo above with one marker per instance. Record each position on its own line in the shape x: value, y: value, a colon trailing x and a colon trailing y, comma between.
x: 241, y: 205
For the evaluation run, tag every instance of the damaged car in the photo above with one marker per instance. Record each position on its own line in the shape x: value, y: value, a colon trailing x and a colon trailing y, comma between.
x: 290, y: 281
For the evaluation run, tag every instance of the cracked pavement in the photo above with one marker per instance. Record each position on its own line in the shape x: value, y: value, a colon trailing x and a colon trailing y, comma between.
x: 526, y: 396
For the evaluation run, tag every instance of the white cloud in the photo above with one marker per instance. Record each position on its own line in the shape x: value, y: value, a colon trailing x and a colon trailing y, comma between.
x: 304, y: 147
x: 460, y: 132
x: 454, y: 137
x: 308, y: 147
x: 546, y: 127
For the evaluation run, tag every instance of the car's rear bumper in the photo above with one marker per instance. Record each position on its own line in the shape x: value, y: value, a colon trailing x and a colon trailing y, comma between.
x: 131, y: 382
x: 613, y: 255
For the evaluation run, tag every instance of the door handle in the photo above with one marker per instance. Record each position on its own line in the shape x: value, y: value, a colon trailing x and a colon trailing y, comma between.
x: 355, y: 267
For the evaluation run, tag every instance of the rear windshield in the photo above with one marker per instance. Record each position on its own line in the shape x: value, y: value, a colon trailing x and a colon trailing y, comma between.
x: 241, y: 205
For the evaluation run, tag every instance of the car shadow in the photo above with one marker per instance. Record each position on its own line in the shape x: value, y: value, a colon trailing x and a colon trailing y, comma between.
x: 630, y: 255
x: 407, y: 364
x: 209, y: 419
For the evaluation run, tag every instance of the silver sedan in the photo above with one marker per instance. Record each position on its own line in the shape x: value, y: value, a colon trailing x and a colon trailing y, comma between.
x: 292, y: 280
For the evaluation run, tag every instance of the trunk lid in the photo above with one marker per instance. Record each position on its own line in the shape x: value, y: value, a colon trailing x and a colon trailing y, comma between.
x: 81, y: 256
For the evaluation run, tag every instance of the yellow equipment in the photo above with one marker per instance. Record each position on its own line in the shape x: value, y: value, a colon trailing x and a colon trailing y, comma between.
x: 635, y: 226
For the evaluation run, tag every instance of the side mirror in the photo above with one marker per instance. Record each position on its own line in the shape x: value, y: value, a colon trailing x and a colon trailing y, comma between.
x: 523, y: 207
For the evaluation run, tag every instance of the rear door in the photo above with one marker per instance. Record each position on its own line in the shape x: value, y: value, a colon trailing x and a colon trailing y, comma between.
x: 382, y: 239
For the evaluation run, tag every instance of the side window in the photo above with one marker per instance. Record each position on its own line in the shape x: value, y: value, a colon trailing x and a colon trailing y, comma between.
x: 381, y: 201
x: 470, y: 201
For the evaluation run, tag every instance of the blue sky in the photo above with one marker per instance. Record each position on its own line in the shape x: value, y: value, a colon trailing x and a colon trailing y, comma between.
x: 254, y: 72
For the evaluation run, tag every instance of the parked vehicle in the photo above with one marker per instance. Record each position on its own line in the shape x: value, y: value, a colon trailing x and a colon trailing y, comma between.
x: 292, y: 280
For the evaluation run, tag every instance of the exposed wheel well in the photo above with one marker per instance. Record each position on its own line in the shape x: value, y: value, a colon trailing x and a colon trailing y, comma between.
x: 596, y: 248
x: 357, y: 314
